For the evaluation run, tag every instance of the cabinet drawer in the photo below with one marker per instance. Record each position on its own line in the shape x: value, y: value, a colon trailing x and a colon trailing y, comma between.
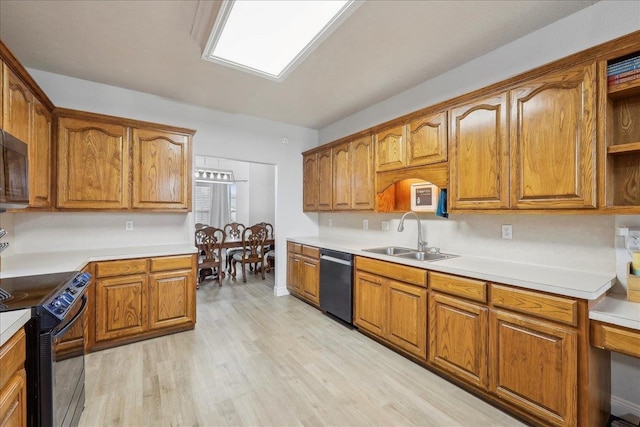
x: 615, y: 338
x: 171, y: 263
x: 296, y: 248
x: 461, y: 286
x: 12, y: 355
x: 550, y: 307
x: 402, y: 273
x: 121, y: 268
x: 311, y: 252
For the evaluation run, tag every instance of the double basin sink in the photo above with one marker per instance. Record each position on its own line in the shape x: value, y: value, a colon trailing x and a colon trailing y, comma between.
x: 410, y: 253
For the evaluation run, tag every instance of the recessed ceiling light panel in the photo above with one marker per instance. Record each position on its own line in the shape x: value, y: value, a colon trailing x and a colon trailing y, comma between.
x: 270, y: 38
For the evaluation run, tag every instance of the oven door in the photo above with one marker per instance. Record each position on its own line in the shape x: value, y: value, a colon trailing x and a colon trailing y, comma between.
x: 66, y: 379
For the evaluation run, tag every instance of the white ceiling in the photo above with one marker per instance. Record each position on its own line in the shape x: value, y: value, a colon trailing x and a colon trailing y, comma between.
x: 382, y: 49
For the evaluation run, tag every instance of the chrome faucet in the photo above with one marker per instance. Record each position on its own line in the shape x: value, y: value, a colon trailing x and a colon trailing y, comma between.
x: 421, y: 243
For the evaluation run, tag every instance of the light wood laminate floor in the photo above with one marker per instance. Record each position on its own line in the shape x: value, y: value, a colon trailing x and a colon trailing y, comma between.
x: 259, y: 360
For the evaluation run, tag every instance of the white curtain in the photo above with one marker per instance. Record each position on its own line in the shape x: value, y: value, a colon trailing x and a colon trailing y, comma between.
x: 219, y: 205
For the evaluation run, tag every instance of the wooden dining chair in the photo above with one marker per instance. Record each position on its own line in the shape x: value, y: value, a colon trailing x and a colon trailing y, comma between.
x: 233, y: 231
x: 209, y: 241
x: 252, y: 250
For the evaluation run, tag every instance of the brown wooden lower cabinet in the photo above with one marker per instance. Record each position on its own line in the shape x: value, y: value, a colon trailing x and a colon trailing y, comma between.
x: 525, y: 351
x: 141, y: 298
x: 13, y: 378
x: 535, y: 366
x: 458, y: 338
x: 392, y: 310
x: 303, y: 272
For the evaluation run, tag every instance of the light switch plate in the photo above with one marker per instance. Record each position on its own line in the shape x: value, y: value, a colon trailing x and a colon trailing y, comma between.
x: 128, y: 225
x: 365, y: 224
x: 385, y: 225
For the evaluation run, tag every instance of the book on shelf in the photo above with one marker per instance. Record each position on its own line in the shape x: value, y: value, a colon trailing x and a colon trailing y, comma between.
x: 623, y: 79
x: 616, y: 77
x: 624, y: 66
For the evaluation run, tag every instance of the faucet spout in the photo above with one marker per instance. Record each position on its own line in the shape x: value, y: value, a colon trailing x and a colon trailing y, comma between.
x: 421, y: 243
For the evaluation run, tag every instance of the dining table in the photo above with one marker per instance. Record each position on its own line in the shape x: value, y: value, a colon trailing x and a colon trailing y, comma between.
x: 236, y: 243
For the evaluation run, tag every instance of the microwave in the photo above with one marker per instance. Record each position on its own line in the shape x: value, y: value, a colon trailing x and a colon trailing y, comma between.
x: 14, y: 176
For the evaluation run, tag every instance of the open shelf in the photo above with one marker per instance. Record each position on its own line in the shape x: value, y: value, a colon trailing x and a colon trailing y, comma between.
x: 622, y: 90
x: 630, y: 147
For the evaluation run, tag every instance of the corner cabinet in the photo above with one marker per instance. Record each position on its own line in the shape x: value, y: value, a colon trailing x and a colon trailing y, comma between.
x: 118, y: 164
x: 553, y: 141
x: 310, y: 182
x: 142, y: 298
x: 26, y: 117
x: 161, y: 166
x: 325, y: 180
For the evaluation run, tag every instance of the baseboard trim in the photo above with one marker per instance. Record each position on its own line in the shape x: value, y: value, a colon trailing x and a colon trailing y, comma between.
x: 621, y: 407
x: 280, y: 291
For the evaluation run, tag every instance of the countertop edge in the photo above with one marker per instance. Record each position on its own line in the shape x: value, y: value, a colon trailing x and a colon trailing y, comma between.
x: 11, y: 322
x: 616, y: 310
x: 604, y: 282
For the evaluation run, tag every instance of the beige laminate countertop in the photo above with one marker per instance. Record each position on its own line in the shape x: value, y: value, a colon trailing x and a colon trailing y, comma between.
x: 615, y: 309
x: 56, y: 262
x: 560, y: 281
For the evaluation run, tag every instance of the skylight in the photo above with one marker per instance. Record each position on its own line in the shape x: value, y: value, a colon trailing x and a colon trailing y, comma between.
x: 271, y: 38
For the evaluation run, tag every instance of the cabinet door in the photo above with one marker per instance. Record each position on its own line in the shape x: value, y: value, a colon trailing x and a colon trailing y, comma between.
x: 362, y: 174
x: 458, y: 338
x: 427, y: 140
x: 40, y: 158
x: 310, y: 279
x: 293, y: 273
x: 121, y: 304
x: 553, y: 141
x: 390, y: 146
x: 478, y: 164
x: 13, y: 401
x: 534, y: 366
x: 93, y: 165
x: 310, y: 182
x: 17, y: 106
x: 161, y: 170
x: 342, y: 177
x: 171, y: 299
x: 325, y: 180
x: 370, y: 303
x: 408, y: 317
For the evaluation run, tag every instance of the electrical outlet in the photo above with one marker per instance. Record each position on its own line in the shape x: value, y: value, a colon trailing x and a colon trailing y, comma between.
x: 330, y: 222
x: 365, y: 224
x: 507, y: 231
x: 633, y: 239
x: 128, y: 225
x: 385, y: 225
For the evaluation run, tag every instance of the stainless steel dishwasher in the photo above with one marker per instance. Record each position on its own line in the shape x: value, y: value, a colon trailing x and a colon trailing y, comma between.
x: 336, y: 284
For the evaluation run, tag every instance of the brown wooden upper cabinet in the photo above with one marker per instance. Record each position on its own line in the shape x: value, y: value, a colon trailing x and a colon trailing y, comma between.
x: 353, y: 175
x: 553, y: 141
x: 161, y: 167
x: 390, y: 149
x: 93, y: 164
x: 28, y: 119
x: 325, y: 180
x: 478, y: 159
x: 310, y: 182
x: 546, y: 160
x: 427, y: 140
x: 107, y: 164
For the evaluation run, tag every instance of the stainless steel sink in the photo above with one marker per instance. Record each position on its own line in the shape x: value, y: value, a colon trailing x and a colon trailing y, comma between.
x: 425, y: 256
x: 390, y: 250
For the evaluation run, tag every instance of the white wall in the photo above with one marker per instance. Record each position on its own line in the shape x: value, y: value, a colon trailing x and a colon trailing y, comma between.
x: 601, y: 22
x: 262, y: 193
x: 218, y: 134
x: 585, y: 242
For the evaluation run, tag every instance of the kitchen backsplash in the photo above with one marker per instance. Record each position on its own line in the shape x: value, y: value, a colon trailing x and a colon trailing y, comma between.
x: 583, y: 242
